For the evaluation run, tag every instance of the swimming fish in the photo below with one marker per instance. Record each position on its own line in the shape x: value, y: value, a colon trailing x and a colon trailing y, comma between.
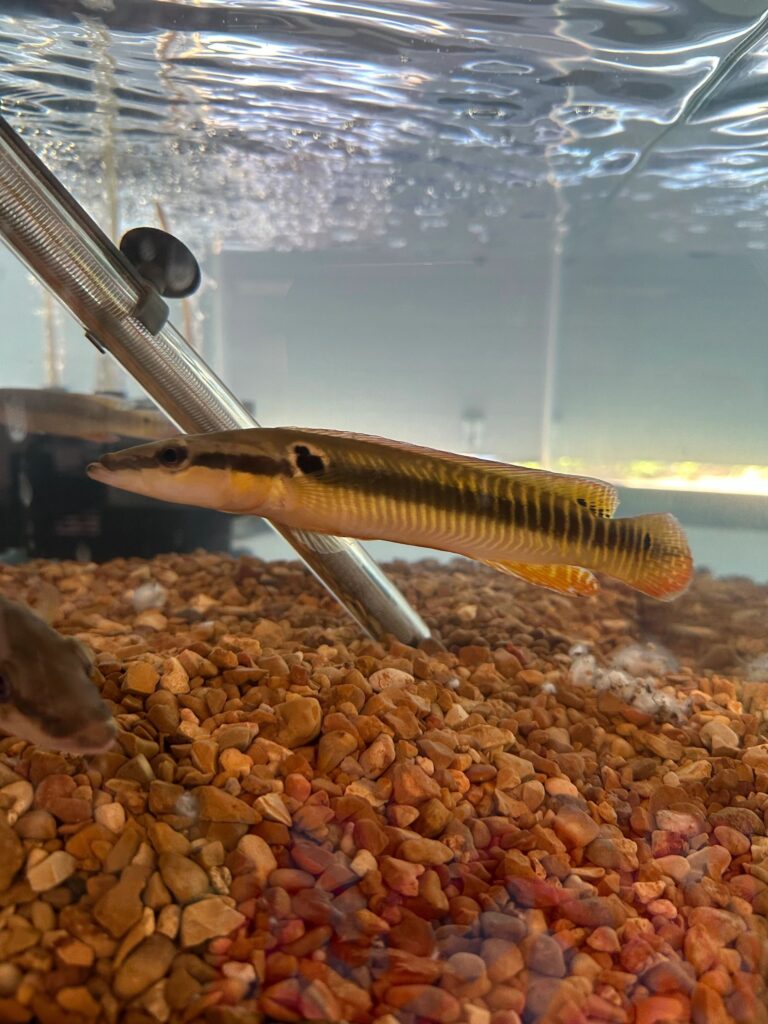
x: 546, y: 528
x: 101, y: 418
x: 47, y: 696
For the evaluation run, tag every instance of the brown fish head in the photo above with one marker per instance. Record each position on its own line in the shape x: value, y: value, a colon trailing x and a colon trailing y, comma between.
x: 205, y: 470
x: 47, y: 696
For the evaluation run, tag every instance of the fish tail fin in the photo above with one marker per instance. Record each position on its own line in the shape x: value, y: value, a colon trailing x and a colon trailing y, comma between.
x: 659, y: 563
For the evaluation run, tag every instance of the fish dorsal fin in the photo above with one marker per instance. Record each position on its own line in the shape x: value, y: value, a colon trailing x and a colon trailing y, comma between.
x: 598, y: 496
x: 565, y: 579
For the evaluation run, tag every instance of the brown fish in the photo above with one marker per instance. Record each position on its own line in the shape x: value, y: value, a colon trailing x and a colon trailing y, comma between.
x: 547, y: 528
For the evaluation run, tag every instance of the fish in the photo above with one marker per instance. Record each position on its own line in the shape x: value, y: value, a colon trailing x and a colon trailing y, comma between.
x: 100, y: 418
x: 47, y: 696
x: 551, y: 529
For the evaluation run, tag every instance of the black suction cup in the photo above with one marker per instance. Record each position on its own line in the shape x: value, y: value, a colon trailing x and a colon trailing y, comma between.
x: 162, y: 260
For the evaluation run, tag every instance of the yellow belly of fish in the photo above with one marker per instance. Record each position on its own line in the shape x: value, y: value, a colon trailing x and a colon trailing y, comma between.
x: 532, y: 557
x: 377, y: 517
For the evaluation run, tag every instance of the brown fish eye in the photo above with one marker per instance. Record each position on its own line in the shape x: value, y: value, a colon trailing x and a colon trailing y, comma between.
x: 172, y: 456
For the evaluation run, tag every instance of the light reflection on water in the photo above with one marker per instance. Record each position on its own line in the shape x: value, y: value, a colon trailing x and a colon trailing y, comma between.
x: 294, y: 124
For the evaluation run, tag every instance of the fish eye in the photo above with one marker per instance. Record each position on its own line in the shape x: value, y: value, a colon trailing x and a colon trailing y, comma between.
x: 172, y: 456
x: 6, y: 693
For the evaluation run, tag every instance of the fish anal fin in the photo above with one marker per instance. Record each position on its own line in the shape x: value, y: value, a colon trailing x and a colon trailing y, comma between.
x: 565, y: 579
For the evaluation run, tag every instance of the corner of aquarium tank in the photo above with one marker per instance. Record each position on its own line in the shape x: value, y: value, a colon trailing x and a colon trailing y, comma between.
x: 492, y: 276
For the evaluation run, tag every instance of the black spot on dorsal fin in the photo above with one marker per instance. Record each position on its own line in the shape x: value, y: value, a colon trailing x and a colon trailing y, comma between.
x: 594, y: 509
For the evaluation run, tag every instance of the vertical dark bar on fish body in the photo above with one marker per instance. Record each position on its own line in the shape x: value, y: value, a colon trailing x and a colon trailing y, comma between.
x: 68, y: 252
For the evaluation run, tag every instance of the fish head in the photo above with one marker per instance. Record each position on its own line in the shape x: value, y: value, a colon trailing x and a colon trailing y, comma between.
x: 47, y: 696
x: 195, y: 470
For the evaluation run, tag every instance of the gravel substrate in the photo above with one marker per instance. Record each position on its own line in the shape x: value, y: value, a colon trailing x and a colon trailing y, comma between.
x: 546, y: 822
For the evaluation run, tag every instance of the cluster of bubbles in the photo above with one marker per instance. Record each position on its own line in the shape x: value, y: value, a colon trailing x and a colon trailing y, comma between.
x: 635, y: 675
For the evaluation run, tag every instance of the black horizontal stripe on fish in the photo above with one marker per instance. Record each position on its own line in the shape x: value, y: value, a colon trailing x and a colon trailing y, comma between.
x: 115, y: 461
x: 243, y: 462
x: 553, y: 516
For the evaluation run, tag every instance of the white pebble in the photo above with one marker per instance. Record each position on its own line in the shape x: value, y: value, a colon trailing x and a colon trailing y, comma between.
x: 52, y: 871
x: 579, y: 649
x: 111, y: 816
x: 236, y: 969
x: 187, y: 805
x: 168, y: 921
x: 386, y: 677
x: 149, y: 595
x: 583, y: 670
x: 456, y: 715
x: 21, y: 794
x: 363, y: 862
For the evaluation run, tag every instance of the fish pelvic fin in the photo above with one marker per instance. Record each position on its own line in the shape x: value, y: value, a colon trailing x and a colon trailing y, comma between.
x: 565, y: 579
x: 662, y: 565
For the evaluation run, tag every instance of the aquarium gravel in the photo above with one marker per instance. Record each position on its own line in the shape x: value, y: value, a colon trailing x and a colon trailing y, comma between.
x: 549, y: 820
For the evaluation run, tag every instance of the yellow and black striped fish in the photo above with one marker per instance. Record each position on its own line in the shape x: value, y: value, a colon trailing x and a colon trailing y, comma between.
x: 546, y: 528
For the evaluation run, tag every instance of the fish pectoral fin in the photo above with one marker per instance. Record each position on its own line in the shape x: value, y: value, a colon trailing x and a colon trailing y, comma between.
x: 565, y: 579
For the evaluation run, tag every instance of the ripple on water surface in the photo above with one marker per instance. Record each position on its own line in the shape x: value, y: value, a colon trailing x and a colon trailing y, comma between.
x: 294, y: 124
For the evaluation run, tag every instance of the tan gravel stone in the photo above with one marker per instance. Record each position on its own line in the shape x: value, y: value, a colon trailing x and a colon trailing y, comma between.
x: 208, y: 919
x: 299, y: 722
x: 148, y: 963
x: 52, y: 871
x: 288, y: 799
x: 185, y: 879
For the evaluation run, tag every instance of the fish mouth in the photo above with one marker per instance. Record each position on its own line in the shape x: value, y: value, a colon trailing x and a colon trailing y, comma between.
x: 106, y: 469
x: 94, y: 738
x: 104, y: 464
x: 123, y: 463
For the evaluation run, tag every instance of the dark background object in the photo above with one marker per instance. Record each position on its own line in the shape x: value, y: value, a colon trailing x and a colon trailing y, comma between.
x: 51, y: 509
x: 11, y: 523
